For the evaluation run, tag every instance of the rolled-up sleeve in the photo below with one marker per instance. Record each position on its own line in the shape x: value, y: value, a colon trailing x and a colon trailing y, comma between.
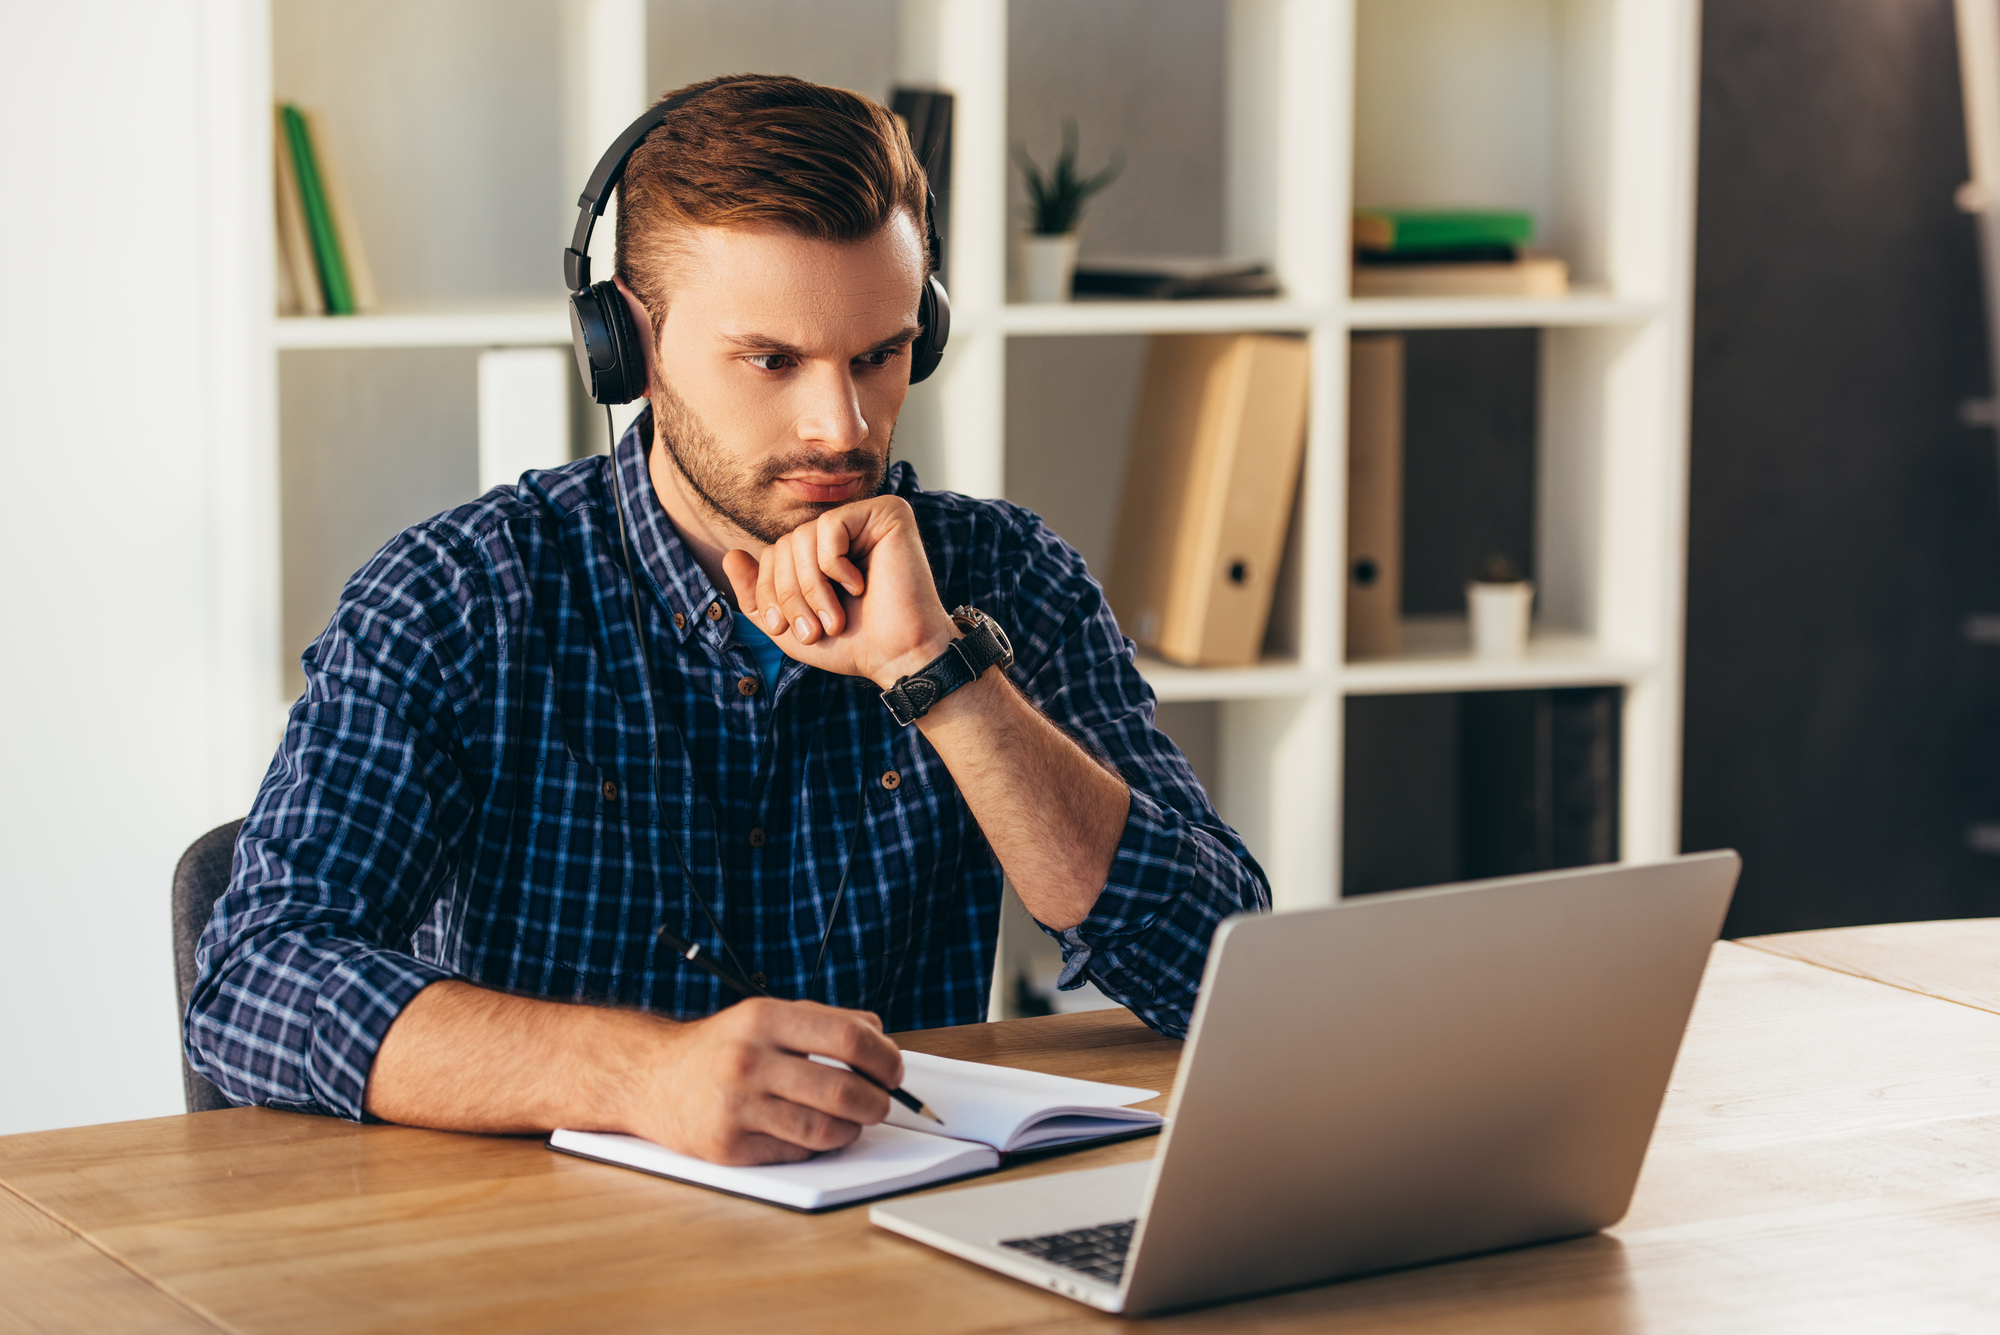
x: 1179, y: 869
x: 306, y: 960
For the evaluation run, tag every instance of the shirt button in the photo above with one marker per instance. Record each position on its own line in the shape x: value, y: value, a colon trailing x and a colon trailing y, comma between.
x: 892, y: 780
x: 610, y: 791
x: 715, y: 613
x: 746, y: 686
x: 757, y: 838
x: 680, y: 621
x: 760, y: 980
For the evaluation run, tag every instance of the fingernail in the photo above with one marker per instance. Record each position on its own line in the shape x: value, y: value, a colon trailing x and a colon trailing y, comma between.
x: 803, y: 627
x: 826, y: 619
x: 772, y: 621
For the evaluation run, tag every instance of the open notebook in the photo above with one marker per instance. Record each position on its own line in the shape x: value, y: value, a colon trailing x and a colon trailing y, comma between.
x: 988, y: 1111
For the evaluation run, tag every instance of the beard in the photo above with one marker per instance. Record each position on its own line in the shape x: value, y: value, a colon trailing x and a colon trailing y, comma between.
x: 745, y: 497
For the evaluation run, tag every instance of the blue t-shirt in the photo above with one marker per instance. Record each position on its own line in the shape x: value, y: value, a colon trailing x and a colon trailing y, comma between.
x: 770, y: 658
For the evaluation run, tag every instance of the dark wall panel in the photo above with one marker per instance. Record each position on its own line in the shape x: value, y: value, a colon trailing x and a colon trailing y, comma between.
x: 1468, y: 460
x: 1840, y: 730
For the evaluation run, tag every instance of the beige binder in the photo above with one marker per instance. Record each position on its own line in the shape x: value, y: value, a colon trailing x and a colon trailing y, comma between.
x: 1208, y: 491
x: 1374, y: 495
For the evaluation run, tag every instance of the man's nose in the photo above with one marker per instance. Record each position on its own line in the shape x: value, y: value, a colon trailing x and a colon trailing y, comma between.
x: 830, y: 416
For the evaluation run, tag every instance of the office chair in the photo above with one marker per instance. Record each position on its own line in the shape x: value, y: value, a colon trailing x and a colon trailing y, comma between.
x: 199, y: 880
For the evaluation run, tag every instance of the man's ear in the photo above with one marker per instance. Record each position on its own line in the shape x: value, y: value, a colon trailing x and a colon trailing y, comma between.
x: 643, y: 323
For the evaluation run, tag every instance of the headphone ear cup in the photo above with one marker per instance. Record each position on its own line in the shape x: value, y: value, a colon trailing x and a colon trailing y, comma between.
x: 934, y: 314
x: 609, y: 355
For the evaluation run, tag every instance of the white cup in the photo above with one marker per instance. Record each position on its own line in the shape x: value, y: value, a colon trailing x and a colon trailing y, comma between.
x: 1499, y: 616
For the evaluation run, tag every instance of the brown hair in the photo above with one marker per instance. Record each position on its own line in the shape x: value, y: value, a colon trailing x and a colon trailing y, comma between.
x: 751, y: 149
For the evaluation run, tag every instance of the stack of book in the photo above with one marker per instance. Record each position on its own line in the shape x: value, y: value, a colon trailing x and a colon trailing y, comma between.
x: 321, y: 267
x: 1171, y: 278
x: 1451, y: 253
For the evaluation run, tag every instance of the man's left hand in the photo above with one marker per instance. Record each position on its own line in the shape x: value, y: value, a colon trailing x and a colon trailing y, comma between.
x: 849, y: 592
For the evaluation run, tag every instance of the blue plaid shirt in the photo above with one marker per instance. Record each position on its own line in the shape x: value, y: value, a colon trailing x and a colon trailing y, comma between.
x: 467, y: 790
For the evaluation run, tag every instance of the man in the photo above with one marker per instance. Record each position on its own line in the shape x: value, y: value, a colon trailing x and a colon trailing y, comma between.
x: 494, y: 798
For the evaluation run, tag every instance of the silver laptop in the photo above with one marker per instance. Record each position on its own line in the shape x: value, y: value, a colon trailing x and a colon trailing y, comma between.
x: 1397, y: 1079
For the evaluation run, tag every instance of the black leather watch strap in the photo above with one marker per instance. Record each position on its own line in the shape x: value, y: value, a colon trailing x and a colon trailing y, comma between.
x: 960, y: 664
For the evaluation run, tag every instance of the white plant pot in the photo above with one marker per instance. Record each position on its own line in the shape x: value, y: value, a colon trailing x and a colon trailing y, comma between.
x: 1499, y: 616
x: 1044, y: 267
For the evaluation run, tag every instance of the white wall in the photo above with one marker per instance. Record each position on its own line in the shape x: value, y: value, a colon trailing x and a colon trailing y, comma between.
x: 105, y: 653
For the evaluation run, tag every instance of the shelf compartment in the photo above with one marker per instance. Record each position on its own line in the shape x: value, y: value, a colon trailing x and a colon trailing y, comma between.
x: 1265, y: 681
x: 445, y: 120
x: 1437, y: 656
x: 1583, y: 307
x: 527, y: 325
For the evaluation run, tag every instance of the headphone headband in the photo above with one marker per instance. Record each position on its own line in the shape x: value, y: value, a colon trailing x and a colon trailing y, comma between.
x: 597, y: 191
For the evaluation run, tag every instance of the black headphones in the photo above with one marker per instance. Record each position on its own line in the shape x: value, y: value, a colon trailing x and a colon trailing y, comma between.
x: 610, y: 355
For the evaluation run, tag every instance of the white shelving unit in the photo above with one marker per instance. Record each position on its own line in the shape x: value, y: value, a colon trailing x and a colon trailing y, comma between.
x: 1582, y: 110
x: 524, y: 326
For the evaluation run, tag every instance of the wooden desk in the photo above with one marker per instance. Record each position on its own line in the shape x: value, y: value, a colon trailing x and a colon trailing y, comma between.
x: 1957, y: 959
x: 1828, y: 1159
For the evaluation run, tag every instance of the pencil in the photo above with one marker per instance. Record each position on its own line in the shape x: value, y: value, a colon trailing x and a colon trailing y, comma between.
x: 695, y: 955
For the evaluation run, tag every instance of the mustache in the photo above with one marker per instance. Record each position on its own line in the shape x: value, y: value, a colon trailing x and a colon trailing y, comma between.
x: 853, y: 463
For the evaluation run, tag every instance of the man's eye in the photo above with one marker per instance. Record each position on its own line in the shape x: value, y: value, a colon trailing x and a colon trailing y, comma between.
x: 880, y: 357
x: 770, y: 361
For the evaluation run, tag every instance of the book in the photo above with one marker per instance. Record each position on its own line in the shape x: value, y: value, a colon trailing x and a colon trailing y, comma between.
x: 927, y: 115
x: 1494, y: 254
x: 339, y: 269
x: 1403, y: 231
x: 1538, y: 775
x: 298, y: 273
x: 1374, y: 495
x: 1171, y: 278
x: 1527, y: 276
x: 327, y: 260
x: 360, y: 276
x: 989, y: 1112
x: 1214, y: 461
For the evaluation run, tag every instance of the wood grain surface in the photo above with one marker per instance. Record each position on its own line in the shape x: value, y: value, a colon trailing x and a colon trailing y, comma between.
x: 1828, y: 1160
x: 52, y: 1282
x: 1957, y: 959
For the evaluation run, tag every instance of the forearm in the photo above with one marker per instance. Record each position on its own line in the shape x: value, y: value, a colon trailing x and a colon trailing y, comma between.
x: 462, y: 1058
x: 1052, y: 813
x: 733, y: 1088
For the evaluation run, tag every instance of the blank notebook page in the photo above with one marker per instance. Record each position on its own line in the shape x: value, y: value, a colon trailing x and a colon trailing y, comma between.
x: 1004, y: 1107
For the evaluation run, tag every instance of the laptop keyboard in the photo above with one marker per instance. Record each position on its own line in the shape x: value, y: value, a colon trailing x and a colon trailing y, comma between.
x: 1098, y: 1252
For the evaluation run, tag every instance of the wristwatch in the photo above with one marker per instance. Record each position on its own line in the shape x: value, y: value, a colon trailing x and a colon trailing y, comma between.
x: 983, y: 645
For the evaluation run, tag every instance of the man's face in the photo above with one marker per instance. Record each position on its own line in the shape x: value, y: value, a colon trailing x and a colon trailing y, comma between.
x: 781, y: 367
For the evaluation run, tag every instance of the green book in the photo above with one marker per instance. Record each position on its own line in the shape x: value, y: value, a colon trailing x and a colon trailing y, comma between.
x: 332, y: 264
x: 1409, y: 231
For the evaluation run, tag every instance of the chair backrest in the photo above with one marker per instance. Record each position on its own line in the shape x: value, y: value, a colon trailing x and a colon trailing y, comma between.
x: 199, y: 880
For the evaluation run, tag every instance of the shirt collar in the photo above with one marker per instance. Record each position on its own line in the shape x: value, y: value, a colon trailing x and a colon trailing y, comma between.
x: 677, y: 579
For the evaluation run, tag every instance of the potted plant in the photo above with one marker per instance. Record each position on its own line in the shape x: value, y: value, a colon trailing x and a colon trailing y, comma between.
x: 1498, y: 602
x: 1045, y: 262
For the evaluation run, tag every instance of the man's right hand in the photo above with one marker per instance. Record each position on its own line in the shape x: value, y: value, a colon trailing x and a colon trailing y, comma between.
x: 737, y: 1087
